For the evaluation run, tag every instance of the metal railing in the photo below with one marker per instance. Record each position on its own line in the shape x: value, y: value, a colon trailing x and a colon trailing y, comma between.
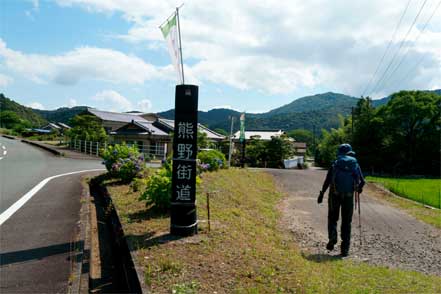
x: 157, y: 151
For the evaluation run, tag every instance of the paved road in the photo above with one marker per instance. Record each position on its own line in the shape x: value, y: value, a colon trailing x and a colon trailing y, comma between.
x: 390, y: 236
x: 35, y: 240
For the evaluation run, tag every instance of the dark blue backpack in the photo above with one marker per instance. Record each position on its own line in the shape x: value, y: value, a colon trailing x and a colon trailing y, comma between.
x: 344, y: 174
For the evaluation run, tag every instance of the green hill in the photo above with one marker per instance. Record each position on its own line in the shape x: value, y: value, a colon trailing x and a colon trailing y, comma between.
x: 317, y: 111
x: 329, y: 101
x: 63, y: 114
x: 23, y: 112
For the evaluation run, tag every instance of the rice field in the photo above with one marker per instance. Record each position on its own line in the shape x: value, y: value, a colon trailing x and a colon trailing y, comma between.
x: 425, y: 191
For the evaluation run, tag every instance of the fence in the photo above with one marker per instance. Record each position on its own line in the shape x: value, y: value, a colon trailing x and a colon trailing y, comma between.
x: 157, y: 151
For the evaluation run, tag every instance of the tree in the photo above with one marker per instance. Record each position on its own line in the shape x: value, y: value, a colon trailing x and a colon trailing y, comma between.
x: 327, y: 149
x: 87, y: 127
x: 11, y: 120
x: 413, y: 130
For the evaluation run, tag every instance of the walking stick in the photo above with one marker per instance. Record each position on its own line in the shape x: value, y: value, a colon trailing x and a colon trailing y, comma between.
x: 357, y: 203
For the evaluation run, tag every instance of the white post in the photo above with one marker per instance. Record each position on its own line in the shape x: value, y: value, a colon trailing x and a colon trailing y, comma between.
x: 97, y: 148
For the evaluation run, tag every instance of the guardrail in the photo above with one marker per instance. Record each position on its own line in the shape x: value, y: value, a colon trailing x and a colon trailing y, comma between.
x: 157, y: 151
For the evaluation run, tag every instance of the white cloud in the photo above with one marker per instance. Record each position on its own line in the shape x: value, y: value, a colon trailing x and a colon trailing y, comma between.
x: 36, y: 105
x: 144, y: 105
x: 113, y: 101
x: 81, y: 63
x: 72, y: 102
x: 281, y: 46
x: 5, y: 80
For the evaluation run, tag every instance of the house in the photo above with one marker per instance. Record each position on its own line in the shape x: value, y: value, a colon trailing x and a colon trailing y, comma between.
x: 150, y: 140
x: 52, y: 127
x: 265, y: 135
x: 149, y: 132
x: 112, y: 121
x: 63, y: 126
x: 300, y: 148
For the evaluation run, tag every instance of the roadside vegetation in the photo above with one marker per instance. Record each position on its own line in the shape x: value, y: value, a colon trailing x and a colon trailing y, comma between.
x: 246, y: 250
x: 399, y: 138
x: 424, y: 191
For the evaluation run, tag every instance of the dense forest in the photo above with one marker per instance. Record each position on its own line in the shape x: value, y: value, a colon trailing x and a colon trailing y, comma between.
x: 401, y: 137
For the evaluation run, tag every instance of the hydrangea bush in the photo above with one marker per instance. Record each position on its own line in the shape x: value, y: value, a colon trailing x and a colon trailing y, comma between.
x: 124, y: 162
x: 211, y: 160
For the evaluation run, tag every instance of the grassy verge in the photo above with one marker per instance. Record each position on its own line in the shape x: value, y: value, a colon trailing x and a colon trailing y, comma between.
x: 419, y: 211
x: 246, y: 251
x: 425, y: 191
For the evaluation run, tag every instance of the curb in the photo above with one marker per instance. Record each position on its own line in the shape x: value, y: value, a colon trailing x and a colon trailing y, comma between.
x: 47, y: 148
x: 130, y: 273
x: 9, y: 137
x: 80, y: 271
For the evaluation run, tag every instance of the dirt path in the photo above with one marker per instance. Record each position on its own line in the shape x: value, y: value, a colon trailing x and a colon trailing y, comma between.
x: 390, y: 237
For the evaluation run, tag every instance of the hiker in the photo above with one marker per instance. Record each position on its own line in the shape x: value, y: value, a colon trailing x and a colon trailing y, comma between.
x: 344, y: 178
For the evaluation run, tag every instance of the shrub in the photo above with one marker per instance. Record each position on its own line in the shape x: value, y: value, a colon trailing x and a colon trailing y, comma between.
x: 211, y: 160
x: 112, y: 153
x: 128, y: 168
x: 158, y: 189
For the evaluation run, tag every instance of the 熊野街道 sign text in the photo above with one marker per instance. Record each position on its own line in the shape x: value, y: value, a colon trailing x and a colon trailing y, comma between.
x: 183, y: 207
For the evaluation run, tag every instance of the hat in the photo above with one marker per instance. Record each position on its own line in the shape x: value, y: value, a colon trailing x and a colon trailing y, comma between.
x: 343, y: 149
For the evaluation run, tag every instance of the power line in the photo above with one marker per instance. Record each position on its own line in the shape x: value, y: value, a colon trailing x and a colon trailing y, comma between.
x: 408, y: 49
x: 387, y: 49
x: 399, y: 48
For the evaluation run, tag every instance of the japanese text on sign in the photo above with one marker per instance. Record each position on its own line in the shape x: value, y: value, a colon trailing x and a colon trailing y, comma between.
x: 184, y: 172
x: 185, y: 130
x: 185, y: 151
x: 183, y: 192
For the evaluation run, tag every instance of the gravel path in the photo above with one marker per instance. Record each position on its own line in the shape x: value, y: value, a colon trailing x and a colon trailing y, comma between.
x: 390, y: 237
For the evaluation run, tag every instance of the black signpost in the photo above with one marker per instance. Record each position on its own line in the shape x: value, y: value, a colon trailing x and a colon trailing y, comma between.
x: 183, y: 208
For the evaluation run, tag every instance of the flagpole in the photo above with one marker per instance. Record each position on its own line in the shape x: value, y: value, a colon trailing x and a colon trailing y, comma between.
x: 180, y: 44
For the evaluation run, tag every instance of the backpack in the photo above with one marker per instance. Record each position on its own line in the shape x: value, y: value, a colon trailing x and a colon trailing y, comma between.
x: 344, y: 174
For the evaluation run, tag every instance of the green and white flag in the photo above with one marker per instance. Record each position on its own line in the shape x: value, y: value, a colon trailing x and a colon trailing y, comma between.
x: 242, y: 127
x: 171, y: 34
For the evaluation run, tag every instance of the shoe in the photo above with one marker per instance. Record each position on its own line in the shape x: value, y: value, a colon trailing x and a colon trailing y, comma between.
x: 344, y: 251
x: 330, y: 246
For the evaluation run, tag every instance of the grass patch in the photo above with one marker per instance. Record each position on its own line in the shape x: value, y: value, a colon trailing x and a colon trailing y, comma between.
x: 425, y: 191
x: 246, y: 250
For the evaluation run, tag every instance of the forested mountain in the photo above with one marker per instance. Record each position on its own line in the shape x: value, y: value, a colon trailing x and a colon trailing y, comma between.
x: 317, y: 111
x: 330, y: 101
x: 23, y: 112
x: 63, y: 114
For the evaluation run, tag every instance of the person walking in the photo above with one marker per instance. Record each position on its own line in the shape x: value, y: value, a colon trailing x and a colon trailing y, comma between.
x: 343, y: 179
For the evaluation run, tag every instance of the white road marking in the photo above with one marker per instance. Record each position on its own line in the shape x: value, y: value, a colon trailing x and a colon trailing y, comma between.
x: 4, y: 152
x: 26, y: 197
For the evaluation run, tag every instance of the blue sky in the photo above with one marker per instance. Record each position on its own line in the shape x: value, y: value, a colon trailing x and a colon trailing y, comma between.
x: 254, y: 57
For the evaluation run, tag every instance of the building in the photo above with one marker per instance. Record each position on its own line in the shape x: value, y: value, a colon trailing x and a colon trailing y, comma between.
x: 150, y: 133
x: 265, y: 135
x: 300, y: 148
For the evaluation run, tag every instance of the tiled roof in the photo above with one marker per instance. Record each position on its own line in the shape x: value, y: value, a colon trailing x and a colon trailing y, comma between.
x: 115, y: 116
x: 210, y: 133
x: 145, y: 128
x: 148, y: 126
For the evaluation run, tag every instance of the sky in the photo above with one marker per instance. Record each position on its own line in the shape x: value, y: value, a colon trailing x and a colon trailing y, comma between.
x: 250, y: 56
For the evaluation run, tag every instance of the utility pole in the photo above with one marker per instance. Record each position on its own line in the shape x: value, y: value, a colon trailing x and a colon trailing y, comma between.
x: 230, y: 151
x: 352, y: 125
